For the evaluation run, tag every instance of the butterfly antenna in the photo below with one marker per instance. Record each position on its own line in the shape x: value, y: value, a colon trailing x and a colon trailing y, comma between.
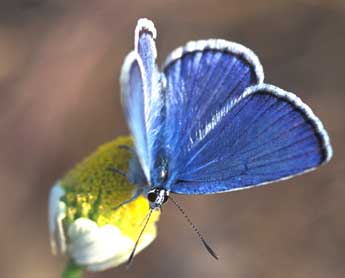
x: 130, y: 259
x: 208, y: 248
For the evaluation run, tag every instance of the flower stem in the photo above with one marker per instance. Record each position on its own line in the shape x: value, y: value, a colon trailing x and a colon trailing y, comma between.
x: 72, y: 270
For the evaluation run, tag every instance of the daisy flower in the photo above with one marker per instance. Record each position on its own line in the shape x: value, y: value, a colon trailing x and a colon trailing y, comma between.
x: 83, y: 223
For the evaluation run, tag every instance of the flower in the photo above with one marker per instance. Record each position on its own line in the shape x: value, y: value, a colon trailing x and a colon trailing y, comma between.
x: 82, y: 221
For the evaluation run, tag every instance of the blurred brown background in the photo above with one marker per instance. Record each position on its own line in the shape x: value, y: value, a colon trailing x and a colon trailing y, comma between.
x: 59, y: 69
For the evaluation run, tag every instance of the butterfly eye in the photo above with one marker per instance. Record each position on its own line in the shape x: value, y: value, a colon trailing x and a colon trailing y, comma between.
x: 152, y: 196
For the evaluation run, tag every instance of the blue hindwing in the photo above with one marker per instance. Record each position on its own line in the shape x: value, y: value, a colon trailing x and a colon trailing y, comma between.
x: 265, y: 135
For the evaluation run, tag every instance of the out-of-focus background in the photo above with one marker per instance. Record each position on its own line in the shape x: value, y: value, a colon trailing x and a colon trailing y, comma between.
x: 59, y: 69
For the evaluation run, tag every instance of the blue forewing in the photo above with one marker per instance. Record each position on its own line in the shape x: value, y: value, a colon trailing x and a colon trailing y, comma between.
x: 144, y: 103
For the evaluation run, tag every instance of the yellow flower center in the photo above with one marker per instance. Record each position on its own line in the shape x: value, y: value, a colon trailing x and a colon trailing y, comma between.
x: 93, y: 189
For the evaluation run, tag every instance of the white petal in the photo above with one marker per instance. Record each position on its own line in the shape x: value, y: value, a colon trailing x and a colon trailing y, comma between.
x: 100, y: 248
x: 121, y: 258
x: 56, y: 214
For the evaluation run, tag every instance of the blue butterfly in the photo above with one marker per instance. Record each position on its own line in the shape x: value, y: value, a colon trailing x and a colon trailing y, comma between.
x: 207, y: 123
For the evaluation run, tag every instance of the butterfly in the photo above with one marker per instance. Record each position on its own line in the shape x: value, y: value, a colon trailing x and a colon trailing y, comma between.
x: 207, y: 123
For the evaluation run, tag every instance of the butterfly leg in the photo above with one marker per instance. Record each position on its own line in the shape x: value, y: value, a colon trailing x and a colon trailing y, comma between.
x: 117, y: 171
x: 134, y: 176
x: 136, y: 194
x: 126, y: 147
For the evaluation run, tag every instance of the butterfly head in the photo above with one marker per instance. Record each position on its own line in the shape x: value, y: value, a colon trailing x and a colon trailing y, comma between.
x: 157, y: 197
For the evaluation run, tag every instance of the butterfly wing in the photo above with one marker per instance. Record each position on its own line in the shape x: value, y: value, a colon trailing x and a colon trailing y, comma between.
x: 142, y: 95
x: 133, y: 103
x: 145, y: 46
x: 213, y: 133
x: 222, y: 136
x: 201, y: 76
x: 267, y: 134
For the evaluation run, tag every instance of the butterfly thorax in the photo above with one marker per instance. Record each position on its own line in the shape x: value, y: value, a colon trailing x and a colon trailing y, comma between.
x: 158, y: 194
x: 155, y: 189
